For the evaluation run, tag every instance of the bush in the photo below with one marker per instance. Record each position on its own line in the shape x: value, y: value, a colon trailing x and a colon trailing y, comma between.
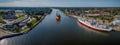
x: 2, y: 22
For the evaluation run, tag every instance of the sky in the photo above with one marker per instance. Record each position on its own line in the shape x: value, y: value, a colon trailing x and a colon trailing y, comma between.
x: 59, y: 3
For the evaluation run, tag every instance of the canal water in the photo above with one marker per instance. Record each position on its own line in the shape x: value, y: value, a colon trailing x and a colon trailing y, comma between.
x: 67, y: 31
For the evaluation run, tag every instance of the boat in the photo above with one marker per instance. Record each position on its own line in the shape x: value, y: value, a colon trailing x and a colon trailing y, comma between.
x: 58, y: 16
x: 91, y: 24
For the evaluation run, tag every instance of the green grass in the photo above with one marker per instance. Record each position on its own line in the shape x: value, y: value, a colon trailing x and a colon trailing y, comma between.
x: 109, y: 19
x: 0, y: 16
x: 30, y: 25
x: 20, y: 16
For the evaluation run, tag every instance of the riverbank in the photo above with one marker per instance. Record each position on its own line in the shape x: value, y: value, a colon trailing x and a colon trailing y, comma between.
x: 7, y: 34
x: 29, y: 29
x: 90, y: 27
x: 101, y: 17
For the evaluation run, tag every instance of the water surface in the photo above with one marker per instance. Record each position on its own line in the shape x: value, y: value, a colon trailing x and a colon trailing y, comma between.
x: 67, y: 31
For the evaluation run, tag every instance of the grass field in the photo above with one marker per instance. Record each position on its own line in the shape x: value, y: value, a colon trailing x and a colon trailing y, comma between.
x: 0, y: 16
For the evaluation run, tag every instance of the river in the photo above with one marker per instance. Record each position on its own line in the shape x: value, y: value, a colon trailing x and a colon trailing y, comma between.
x: 67, y: 31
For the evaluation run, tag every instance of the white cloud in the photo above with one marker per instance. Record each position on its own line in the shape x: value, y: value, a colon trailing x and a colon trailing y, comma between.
x: 56, y: 3
x: 33, y: 3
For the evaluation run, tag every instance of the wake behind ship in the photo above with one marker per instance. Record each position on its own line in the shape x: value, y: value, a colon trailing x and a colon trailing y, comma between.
x: 58, y: 16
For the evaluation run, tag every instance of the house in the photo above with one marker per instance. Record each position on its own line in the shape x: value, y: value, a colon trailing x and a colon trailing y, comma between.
x: 116, y: 22
x: 9, y: 15
x: 10, y: 27
x: 15, y: 26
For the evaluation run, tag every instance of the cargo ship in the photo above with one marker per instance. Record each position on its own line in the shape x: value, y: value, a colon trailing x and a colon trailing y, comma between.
x: 93, y: 25
x: 58, y: 16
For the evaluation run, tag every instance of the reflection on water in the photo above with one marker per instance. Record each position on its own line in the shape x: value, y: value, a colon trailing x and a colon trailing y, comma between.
x: 4, y: 42
x: 65, y: 32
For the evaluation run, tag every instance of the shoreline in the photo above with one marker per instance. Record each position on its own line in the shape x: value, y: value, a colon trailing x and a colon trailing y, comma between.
x: 23, y: 32
x: 85, y: 26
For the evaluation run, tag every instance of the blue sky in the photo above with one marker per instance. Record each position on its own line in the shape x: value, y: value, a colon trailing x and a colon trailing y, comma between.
x: 59, y: 3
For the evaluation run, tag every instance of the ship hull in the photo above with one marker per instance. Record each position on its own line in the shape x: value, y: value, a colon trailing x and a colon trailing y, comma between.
x: 57, y: 17
x: 92, y: 27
